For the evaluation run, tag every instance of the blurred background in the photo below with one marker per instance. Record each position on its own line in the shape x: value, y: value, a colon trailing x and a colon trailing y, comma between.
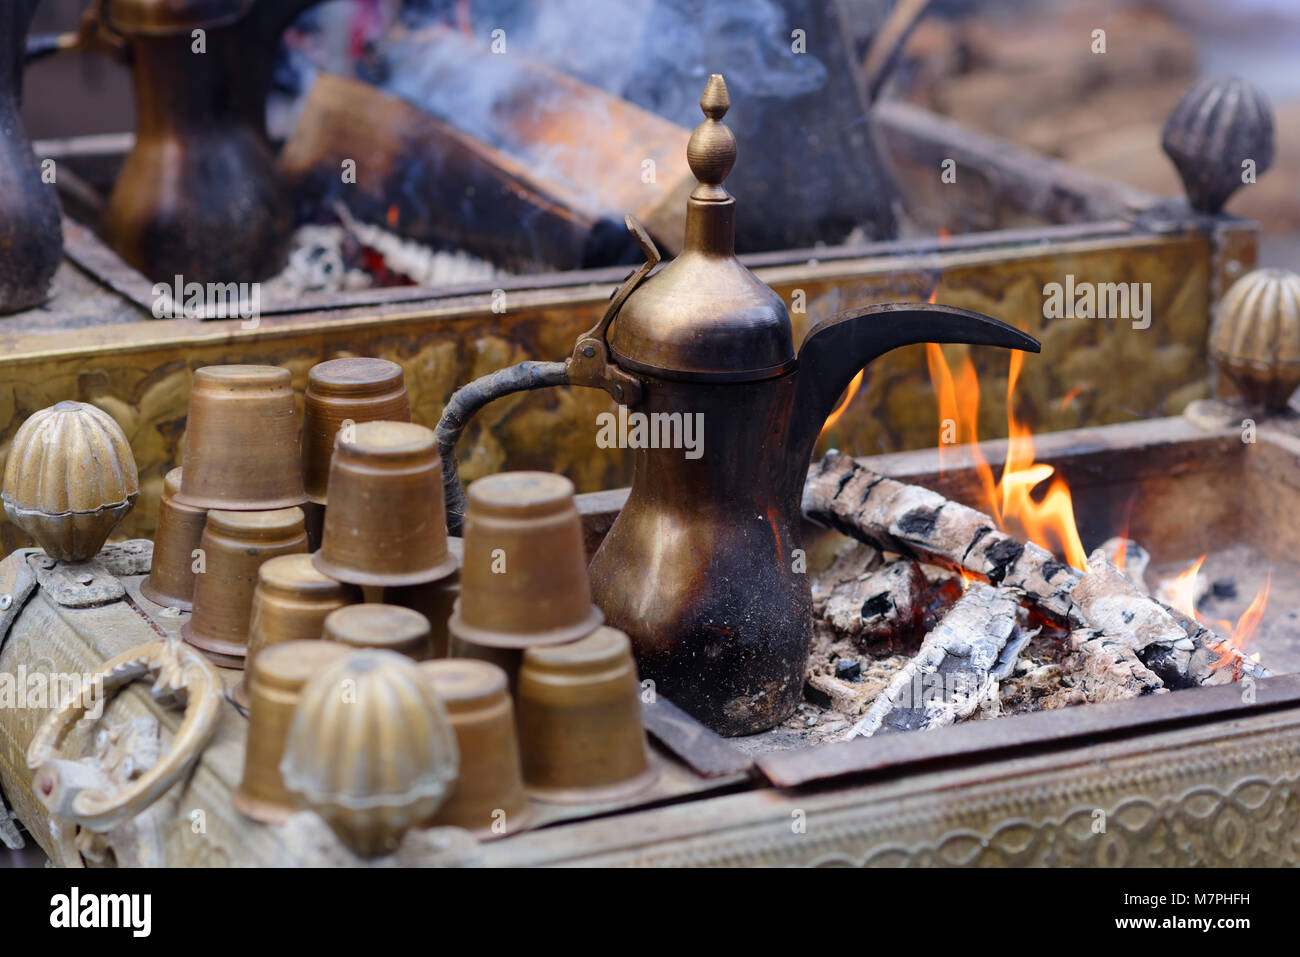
x: 1013, y: 68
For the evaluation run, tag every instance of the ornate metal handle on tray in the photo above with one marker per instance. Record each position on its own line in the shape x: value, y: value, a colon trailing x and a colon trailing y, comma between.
x: 68, y: 789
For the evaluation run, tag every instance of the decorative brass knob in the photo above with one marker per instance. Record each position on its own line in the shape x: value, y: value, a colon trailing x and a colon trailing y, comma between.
x: 69, y: 479
x: 1218, y: 125
x: 333, y: 759
x: 1255, y: 337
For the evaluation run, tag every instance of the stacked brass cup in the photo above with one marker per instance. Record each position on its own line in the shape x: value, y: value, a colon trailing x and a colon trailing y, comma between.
x: 242, y: 467
x: 525, y: 605
x: 340, y: 394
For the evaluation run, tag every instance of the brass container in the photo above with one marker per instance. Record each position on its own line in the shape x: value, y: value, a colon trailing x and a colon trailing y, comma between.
x: 524, y: 581
x: 1255, y: 336
x: 69, y: 479
x: 275, y: 681
x: 340, y: 391
x: 29, y: 206
x: 382, y: 627
x: 234, y: 545
x: 180, y: 529
x: 386, y: 524
x: 241, y: 440
x: 199, y: 194
x: 580, y: 730
x: 489, y: 797
x: 290, y: 603
x: 434, y: 600
x: 371, y: 795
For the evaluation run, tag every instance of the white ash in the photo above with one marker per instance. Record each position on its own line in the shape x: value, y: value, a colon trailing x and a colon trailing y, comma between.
x: 317, y: 264
x: 951, y: 676
x: 1136, y: 560
x: 421, y: 264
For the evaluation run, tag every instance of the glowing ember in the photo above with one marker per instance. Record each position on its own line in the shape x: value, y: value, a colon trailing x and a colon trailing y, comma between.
x: 1047, y: 519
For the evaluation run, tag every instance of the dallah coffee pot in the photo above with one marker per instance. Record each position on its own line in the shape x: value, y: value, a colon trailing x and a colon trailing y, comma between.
x: 198, y: 195
x: 31, y: 238
x: 702, y: 567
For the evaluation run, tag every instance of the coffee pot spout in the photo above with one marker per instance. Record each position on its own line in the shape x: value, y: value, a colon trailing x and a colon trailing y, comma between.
x: 836, y: 349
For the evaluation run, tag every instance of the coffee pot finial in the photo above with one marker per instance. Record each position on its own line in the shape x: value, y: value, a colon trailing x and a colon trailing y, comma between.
x: 711, y: 152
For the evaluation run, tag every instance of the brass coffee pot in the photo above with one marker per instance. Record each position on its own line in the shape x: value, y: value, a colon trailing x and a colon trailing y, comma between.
x: 198, y: 195
x: 31, y: 237
x: 702, y: 567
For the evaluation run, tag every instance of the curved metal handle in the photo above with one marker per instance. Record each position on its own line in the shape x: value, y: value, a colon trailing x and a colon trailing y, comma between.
x: 181, y: 676
x: 462, y: 406
x: 589, y: 366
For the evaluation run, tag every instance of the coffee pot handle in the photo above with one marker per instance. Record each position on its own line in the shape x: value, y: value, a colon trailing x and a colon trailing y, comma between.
x: 589, y: 365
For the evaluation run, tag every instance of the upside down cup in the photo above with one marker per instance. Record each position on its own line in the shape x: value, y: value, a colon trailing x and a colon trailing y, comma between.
x: 580, y: 730
x: 434, y: 600
x: 524, y: 580
x: 488, y: 798
x: 340, y: 391
x: 381, y: 627
x: 290, y: 603
x: 234, y: 547
x: 180, y: 528
x: 386, y: 524
x: 275, y: 681
x: 241, y: 440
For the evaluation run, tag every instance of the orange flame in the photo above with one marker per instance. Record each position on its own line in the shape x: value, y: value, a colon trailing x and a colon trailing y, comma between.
x: 1182, y: 598
x: 1047, y: 520
x: 1182, y: 590
x: 1073, y: 394
x: 849, y: 393
x: 856, y: 384
x: 394, y: 215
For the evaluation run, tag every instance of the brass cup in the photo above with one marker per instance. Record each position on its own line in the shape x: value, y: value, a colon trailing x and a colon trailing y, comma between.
x: 180, y: 527
x: 339, y: 391
x: 241, y: 440
x: 275, y: 683
x: 488, y: 797
x: 580, y: 730
x: 290, y: 603
x: 524, y: 580
x: 433, y: 600
x: 235, y: 544
x: 386, y: 524
x: 384, y: 627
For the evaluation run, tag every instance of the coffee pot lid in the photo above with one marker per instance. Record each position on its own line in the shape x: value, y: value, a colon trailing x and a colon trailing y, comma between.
x: 704, y: 316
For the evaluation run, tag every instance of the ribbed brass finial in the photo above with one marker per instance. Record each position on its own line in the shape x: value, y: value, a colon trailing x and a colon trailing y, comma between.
x: 712, y: 150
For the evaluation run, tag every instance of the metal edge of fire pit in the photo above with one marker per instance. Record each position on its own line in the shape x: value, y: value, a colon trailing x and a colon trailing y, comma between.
x: 1218, y: 793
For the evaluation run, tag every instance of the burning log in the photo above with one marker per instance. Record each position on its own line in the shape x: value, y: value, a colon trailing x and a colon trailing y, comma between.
x: 1182, y: 652
x: 921, y: 524
x: 1112, y: 603
x: 552, y: 195
x: 1103, y: 668
x: 1130, y: 558
x: 957, y: 669
x: 1209, y: 659
x: 879, y: 606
